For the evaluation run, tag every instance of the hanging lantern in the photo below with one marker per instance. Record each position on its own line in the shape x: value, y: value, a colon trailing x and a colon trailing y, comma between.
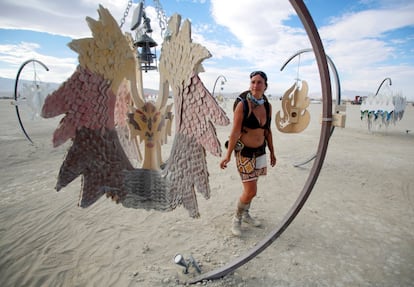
x: 144, y: 44
x: 146, y: 52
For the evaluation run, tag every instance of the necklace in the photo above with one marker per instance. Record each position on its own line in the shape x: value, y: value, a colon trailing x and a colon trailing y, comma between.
x: 256, y: 102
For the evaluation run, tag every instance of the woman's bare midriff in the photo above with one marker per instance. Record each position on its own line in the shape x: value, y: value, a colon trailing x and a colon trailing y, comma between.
x: 253, y: 137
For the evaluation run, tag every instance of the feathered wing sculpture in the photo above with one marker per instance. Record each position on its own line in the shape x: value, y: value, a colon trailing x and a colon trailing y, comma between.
x: 106, y: 116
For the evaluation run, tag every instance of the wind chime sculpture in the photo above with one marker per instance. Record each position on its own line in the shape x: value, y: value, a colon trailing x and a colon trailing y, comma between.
x: 220, y: 98
x: 31, y: 94
x: 106, y: 115
x: 294, y: 118
x: 383, y: 109
x: 290, y: 104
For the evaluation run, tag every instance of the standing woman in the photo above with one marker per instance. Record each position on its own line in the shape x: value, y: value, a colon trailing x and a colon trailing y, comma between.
x: 251, y: 130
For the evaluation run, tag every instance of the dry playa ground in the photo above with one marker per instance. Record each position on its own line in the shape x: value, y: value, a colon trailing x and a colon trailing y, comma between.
x: 356, y: 229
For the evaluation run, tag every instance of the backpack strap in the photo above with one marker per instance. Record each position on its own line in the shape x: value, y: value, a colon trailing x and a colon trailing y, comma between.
x: 268, y: 115
x: 245, y: 106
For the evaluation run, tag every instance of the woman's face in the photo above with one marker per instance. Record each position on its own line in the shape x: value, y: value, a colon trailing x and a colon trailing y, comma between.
x: 257, y: 86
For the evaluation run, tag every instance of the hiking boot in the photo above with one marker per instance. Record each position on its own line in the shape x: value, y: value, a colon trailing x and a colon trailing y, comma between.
x: 250, y: 220
x: 237, y: 219
x: 236, y: 226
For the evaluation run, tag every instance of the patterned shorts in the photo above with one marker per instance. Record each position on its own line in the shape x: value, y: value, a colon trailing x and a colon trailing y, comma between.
x: 251, y: 168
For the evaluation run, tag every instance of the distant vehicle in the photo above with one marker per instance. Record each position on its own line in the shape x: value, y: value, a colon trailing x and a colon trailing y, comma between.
x: 357, y: 100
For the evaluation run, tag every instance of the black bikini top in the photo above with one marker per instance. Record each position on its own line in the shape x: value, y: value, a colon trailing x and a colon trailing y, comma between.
x: 251, y: 122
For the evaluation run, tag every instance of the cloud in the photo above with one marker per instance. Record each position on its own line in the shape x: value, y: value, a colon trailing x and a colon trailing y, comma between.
x: 65, y: 18
x: 365, y: 56
x: 369, y: 23
x: 247, y: 35
x: 60, y: 68
x: 356, y: 41
x: 253, y: 23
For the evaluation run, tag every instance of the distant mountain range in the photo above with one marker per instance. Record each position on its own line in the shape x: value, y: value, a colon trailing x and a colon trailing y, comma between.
x: 7, y: 87
x: 7, y: 91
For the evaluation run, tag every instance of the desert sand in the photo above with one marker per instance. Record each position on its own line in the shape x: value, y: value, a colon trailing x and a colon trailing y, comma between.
x: 356, y: 229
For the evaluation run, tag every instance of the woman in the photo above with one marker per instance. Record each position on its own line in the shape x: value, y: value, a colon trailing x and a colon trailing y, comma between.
x: 251, y: 130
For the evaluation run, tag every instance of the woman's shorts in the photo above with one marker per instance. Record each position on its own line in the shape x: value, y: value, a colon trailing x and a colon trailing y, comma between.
x: 250, y: 168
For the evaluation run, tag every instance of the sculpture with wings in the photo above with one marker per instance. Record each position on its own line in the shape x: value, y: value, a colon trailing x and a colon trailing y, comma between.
x: 106, y: 115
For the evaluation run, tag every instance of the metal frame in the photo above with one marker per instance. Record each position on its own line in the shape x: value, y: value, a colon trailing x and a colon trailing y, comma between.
x: 215, y: 83
x: 16, y: 94
x: 321, y: 58
x: 338, y: 92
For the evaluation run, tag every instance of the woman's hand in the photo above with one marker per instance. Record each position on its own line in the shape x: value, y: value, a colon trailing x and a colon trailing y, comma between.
x: 224, y: 162
x: 272, y: 159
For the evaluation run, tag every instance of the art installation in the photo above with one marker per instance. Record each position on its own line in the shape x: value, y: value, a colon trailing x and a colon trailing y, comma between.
x: 338, y: 118
x: 294, y: 117
x: 106, y: 115
x: 31, y: 94
x: 326, y: 124
x: 220, y: 98
x: 382, y: 109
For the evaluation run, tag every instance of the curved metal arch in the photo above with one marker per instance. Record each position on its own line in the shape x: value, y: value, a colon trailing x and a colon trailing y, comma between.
x: 15, y: 93
x: 338, y: 91
x: 215, y: 83
x: 331, y: 65
x: 383, y: 81
x: 321, y: 58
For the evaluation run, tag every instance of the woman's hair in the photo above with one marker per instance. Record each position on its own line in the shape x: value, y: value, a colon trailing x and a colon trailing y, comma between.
x: 261, y: 74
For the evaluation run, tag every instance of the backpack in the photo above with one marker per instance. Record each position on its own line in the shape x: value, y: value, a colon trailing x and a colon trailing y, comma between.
x: 242, y: 97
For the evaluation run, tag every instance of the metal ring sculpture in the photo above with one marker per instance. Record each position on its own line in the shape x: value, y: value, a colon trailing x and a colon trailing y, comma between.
x: 338, y: 91
x: 16, y: 94
x: 321, y: 58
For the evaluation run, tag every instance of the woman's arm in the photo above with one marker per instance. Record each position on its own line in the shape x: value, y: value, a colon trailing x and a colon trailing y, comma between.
x: 269, y: 140
x: 234, y: 134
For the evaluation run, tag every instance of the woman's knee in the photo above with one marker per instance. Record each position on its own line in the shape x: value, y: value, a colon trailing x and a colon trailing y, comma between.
x: 247, y: 197
x: 249, y: 192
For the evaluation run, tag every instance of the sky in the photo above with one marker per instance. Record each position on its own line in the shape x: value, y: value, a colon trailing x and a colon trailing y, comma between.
x: 367, y: 40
